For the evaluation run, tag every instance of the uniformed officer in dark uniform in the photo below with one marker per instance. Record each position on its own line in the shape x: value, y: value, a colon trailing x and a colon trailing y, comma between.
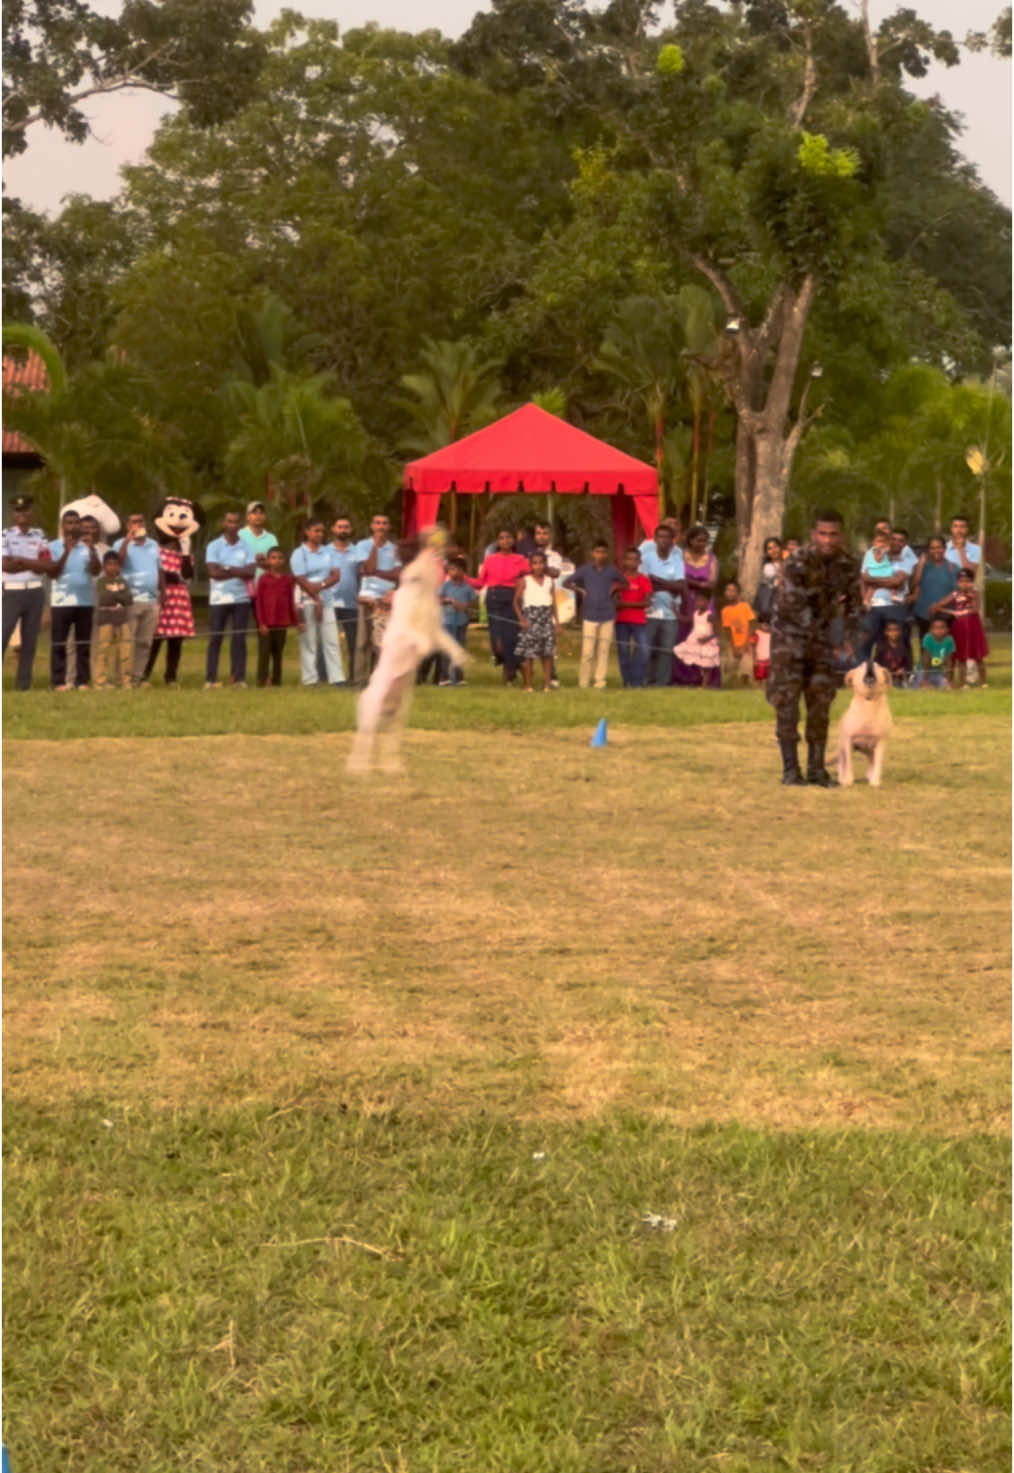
x: 818, y: 606
x: 25, y: 562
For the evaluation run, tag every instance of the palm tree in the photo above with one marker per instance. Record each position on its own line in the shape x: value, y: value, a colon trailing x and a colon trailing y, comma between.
x: 95, y: 429
x: 457, y: 392
x: 659, y: 349
x: 269, y: 334
x: 296, y: 436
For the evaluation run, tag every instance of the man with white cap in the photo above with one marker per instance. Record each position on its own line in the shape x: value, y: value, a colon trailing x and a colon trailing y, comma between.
x: 258, y: 540
x: 25, y: 549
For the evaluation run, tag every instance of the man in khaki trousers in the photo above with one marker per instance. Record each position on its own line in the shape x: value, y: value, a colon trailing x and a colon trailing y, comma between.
x: 595, y: 584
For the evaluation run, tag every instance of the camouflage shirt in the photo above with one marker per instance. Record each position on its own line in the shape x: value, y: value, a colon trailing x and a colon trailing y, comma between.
x: 815, y: 593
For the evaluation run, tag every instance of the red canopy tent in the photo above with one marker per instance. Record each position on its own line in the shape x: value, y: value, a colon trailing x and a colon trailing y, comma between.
x: 535, y: 452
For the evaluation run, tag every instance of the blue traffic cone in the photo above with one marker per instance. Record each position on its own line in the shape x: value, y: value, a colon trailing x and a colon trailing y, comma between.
x: 600, y: 739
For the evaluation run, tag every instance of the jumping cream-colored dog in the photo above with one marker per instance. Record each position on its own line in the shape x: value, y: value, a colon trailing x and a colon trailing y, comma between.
x: 866, y: 724
x: 414, y: 630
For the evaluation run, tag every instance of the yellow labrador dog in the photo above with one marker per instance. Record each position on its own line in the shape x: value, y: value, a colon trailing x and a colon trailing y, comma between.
x: 866, y: 724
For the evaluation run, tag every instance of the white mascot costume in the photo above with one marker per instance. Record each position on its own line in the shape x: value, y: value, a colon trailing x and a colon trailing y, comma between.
x: 414, y: 631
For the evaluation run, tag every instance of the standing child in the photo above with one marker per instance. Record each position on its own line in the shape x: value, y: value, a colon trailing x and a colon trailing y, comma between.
x: 937, y: 655
x: 700, y: 649
x: 595, y: 582
x: 457, y: 599
x: 966, y: 629
x: 737, y: 617
x: 275, y: 611
x: 632, y: 597
x: 113, y: 599
x: 762, y: 651
x: 535, y: 610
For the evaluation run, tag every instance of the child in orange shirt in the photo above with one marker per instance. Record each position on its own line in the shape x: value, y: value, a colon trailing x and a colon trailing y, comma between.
x: 737, y: 618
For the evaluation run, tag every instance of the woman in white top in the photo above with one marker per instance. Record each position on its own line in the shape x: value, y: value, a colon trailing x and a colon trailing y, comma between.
x: 535, y: 609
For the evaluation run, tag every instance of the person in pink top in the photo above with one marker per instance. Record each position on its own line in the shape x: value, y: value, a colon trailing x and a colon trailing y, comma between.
x: 499, y: 576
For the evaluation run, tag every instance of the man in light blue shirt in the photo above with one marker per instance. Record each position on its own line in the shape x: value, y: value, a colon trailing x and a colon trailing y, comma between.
x: 379, y: 570
x: 315, y: 574
x: 231, y: 569
x: 662, y: 562
x: 73, y: 566
x: 961, y: 552
x: 141, y: 563
x: 345, y: 559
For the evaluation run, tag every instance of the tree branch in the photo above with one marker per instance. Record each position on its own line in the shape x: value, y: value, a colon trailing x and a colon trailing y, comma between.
x: 777, y: 406
x: 872, y: 50
x: 802, y: 424
x: 118, y: 83
x: 809, y: 79
x: 772, y: 324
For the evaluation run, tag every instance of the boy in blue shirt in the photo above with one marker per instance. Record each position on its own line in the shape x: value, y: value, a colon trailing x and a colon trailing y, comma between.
x: 457, y: 599
x: 596, y: 582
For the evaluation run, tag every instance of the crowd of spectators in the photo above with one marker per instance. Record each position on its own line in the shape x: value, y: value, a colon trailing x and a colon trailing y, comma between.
x: 671, y: 618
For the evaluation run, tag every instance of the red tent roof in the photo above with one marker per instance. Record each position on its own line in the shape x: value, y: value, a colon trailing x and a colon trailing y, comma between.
x: 19, y: 374
x: 535, y: 450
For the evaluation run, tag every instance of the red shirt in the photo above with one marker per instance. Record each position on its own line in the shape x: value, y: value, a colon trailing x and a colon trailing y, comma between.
x: 274, y: 601
x: 501, y: 570
x: 634, y: 590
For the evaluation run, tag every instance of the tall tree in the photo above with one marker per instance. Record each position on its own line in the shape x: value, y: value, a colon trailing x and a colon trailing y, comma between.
x: 60, y: 53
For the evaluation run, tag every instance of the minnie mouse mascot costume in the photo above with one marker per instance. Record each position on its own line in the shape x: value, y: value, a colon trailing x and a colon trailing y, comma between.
x: 177, y: 521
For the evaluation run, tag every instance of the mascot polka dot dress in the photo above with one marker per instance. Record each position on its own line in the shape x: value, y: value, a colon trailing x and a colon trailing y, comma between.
x: 177, y: 521
x: 176, y: 620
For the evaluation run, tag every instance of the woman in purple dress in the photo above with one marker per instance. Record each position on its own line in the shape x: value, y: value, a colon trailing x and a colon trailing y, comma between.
x: 700, y: 572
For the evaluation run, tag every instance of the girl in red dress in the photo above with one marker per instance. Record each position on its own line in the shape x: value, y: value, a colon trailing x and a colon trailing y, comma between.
x: 971, y: 646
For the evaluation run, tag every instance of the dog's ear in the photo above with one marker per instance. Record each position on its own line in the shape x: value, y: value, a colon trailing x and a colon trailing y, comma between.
x: 850, y: 677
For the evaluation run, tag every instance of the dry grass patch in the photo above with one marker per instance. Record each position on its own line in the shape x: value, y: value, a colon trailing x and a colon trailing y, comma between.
x: 520, y: 925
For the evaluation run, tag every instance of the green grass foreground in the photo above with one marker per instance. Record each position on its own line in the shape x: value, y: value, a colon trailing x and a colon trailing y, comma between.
x: 334, y: 1108
x: 265, y: 1289
x: 482, y: 705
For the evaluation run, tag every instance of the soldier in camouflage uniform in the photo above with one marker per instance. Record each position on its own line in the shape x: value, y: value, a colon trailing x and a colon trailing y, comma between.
x: 819, y: 588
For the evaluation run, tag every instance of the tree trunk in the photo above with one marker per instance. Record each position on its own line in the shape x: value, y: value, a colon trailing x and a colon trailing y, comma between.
x: 745, y: 476
x: 695, y: 463
x: 709, y: 439
x: 767, y: 436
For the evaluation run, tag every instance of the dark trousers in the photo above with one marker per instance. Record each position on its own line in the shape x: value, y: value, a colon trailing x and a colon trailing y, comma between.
x: 270, y: 644
x: 62, y: 621
x: 661, y: 638
x: 174, y: 648
x: 24, y: 605
x: 799, y: 672
x: 220, y: 616
x: 447, y: 670
x: 503, y: 627
x: 348, y: 622
x: 632, y: 653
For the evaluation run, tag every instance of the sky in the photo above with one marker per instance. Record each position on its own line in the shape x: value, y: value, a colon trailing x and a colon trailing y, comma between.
x: 979, y: 89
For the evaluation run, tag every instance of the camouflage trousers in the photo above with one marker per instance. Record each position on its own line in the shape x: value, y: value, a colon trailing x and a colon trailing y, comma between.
x: 799, y: 671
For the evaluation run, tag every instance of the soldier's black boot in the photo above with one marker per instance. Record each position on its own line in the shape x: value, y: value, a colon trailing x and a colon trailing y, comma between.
x: 816, y: 773
x: 791, y: 775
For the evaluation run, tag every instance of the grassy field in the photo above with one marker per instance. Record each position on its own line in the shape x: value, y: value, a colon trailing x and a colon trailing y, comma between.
x: 544, y: 1109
